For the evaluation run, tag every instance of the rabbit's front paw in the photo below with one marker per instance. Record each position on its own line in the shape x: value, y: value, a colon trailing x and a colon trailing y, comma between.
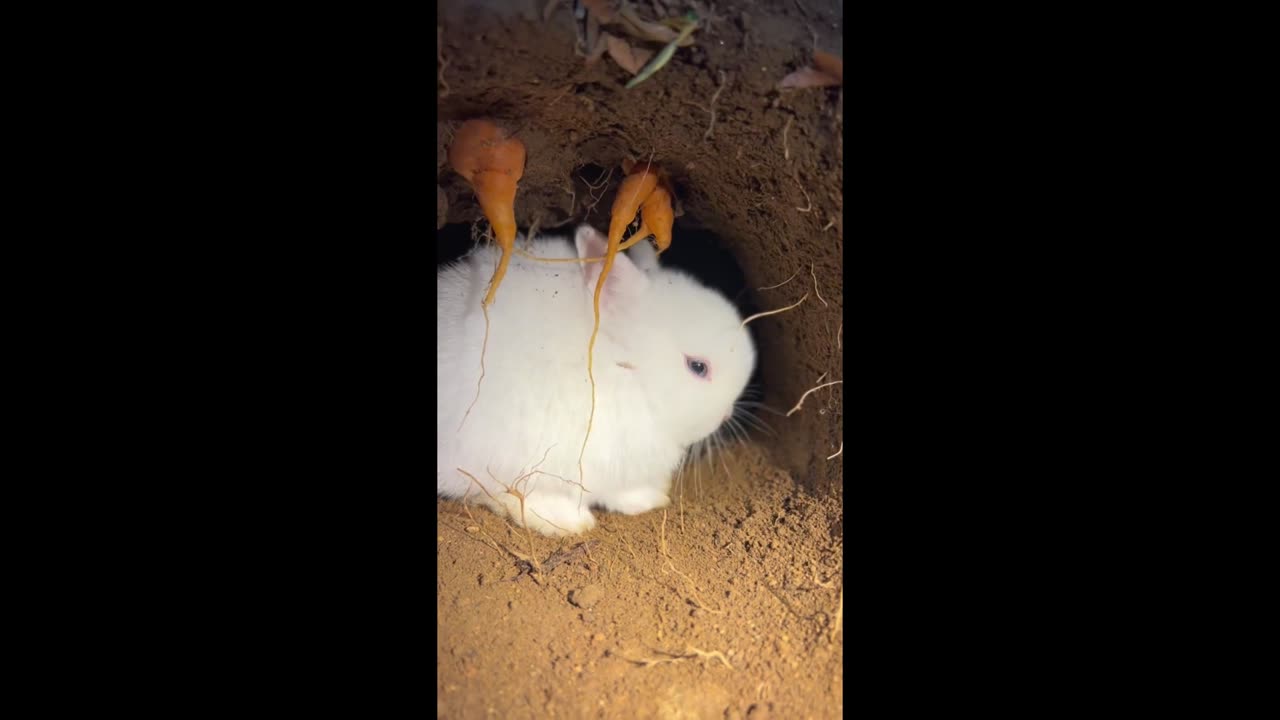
x: 634, y: 501
x: 555, y: 515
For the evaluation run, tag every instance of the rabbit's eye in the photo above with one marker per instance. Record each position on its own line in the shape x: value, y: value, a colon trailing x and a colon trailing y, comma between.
x: 697, y: 367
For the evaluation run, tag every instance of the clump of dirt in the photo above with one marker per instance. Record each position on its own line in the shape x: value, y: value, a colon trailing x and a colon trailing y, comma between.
x: 740, y: 620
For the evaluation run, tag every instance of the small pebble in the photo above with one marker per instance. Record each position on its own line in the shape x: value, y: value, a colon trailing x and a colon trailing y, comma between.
x: 586, y: 597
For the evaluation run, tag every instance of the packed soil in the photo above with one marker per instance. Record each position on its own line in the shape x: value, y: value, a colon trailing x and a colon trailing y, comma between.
x: 740, y: 617
x: 727, y: 605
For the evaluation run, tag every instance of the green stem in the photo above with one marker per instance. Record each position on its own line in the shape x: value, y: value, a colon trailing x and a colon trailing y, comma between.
x: 664, y: 55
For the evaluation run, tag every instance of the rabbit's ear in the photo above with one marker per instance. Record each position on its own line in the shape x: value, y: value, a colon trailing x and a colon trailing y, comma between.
x: 644, y: 256
x: 625, y: 281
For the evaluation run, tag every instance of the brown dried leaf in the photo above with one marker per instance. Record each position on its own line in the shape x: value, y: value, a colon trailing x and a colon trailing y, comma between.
x: 829, y: 64
x: 808, y: 77
x: 629, y: 58
x: 645, y: 30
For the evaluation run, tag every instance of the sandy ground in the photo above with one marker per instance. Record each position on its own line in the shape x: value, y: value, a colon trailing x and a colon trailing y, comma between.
x: 739, y: 618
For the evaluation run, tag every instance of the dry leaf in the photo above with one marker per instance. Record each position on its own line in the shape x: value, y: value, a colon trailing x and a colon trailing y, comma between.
x: 629, y: 58
x: 829, y: 64
x: 645, y: 30
x: 808, y: 77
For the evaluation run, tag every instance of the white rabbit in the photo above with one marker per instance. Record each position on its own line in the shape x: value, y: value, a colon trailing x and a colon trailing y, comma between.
x: 644, y: 256
x: 670, y: 359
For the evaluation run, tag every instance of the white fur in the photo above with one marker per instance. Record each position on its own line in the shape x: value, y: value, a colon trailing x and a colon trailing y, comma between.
x: 644, y: 256
x: 535, y: 397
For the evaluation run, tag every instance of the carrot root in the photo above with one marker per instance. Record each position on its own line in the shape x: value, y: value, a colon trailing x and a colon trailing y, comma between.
x: 484, y: 345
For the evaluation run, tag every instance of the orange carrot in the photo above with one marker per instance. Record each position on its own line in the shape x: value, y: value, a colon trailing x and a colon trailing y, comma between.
x: 635, y: 189
x: 493, y: 163
x: 657, y: 218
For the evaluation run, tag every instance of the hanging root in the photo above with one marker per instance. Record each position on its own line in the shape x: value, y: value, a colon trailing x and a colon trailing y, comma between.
x: 815, y: 285
x: 710, y: 108
x: 809, y: 392
x: 600, y: 185
x: 841, y: 450
x: 443, y: 63
x: 595, y: 329
x: 814, y: 276
x: 806, y: 196
x: 591, y: 346
x: 784, y: 282
x: 484, y: 344
x: 786, y: 150
x: 774, y: 312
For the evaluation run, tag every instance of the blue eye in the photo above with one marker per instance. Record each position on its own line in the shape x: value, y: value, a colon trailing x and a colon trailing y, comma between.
x: 697, y: 367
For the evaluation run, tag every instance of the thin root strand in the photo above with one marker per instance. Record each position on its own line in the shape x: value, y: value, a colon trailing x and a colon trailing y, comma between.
x: 809, y: 392
x: 807, y: 200
x: 443, y: 63
x: 784, y: 282
x: 815, y: 286
x: 689, y: 653
x: 484, y: 344
x: 712, y: 107
x: 775, y: 312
